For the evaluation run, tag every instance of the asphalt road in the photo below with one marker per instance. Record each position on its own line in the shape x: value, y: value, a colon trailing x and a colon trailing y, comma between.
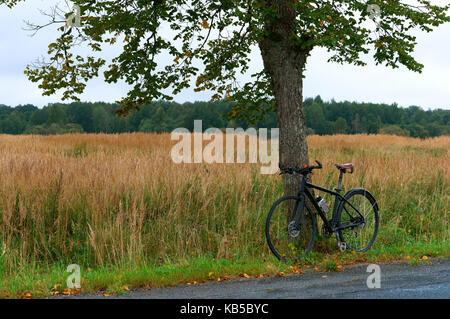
x: 398, y: 280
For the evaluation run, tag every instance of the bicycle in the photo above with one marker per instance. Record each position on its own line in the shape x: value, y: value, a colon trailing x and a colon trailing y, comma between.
x: 354, y: 221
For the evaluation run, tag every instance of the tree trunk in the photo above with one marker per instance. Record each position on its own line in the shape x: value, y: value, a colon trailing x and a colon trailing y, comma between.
x: 284, y: 63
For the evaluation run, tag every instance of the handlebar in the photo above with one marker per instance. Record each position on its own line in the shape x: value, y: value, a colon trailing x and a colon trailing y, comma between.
x: 304, y: 170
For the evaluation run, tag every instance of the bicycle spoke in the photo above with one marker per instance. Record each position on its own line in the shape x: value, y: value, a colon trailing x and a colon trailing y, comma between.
x: 360, y: 212
x: 287, y: 240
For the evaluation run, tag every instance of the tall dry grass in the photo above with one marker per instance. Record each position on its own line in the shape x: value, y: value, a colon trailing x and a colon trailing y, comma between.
x: 102, y: 199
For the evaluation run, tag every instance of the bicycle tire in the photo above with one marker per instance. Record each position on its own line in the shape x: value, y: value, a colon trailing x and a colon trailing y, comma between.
x: 358, y: 196
x: 275, y: 224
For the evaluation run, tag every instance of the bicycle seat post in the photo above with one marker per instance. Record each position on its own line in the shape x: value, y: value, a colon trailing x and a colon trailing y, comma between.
x: 341, y: 173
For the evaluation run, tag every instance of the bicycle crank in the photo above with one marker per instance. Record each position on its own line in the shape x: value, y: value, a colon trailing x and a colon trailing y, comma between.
x: 326, y: 233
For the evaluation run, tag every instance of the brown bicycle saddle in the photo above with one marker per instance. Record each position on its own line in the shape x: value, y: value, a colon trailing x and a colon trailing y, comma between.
x: 345, y: 167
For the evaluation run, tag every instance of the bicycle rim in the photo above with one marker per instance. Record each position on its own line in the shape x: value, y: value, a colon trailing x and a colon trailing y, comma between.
x: 285, y: 241
x: 359, y: 238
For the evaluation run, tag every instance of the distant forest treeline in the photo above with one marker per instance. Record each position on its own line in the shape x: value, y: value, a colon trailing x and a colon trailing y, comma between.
x: 162, y: 116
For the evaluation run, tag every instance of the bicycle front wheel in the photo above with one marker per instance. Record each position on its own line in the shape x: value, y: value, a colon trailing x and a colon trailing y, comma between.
x: 285, y: 240
x: 360, y: 212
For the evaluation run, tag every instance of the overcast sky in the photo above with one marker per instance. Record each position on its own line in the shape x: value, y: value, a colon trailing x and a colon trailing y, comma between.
x: 430, y: 89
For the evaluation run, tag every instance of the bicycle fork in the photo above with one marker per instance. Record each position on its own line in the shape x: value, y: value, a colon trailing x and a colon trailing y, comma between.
x: 295, y: 218
x: 299, y: 215
x: 293, y: 222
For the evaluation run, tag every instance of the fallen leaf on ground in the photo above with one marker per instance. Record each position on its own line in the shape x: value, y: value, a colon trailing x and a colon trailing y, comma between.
x: 297, y: 270
x: 67, y: 291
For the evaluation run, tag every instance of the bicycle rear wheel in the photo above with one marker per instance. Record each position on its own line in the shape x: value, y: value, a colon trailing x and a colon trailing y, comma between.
x: 285, y: 241
x: 361, y: 208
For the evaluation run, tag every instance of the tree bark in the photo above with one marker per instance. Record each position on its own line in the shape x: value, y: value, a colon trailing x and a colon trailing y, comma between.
x: 284, y: 63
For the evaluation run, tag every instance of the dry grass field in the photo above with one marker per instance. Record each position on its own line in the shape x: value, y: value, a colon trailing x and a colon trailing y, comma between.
x: 119, y: 200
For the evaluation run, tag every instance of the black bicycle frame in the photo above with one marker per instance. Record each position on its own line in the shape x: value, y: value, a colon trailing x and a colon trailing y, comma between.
x: 304, y: 189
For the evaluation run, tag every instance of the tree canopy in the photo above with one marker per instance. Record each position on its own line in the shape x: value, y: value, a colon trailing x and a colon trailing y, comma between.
x: 221, y: 34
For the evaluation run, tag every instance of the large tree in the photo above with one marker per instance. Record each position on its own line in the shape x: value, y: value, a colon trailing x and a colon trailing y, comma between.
x: 220, y: 35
